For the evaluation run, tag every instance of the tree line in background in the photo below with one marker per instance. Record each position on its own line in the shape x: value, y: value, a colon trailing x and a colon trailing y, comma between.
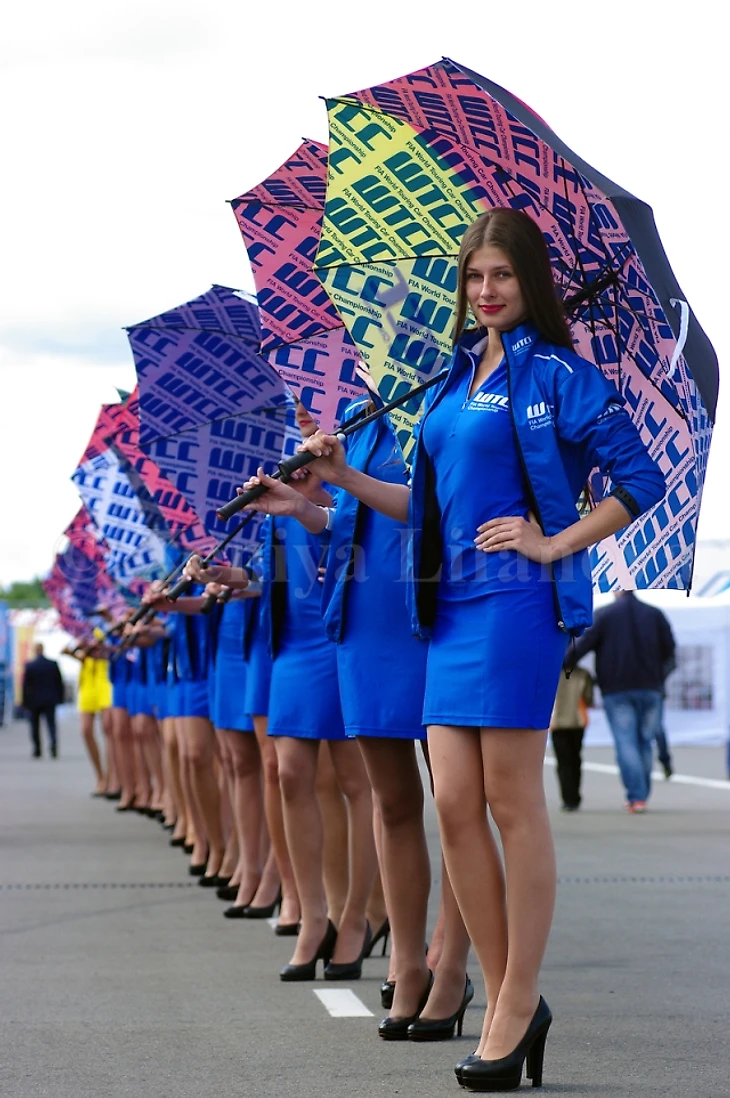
x: 25, y: 594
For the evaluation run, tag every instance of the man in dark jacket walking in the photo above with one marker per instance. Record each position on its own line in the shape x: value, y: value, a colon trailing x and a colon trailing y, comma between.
x: 634, y: 646
x: 42, y: 692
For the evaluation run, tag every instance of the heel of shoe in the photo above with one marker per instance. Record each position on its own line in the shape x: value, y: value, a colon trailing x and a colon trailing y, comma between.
x: 460, y: 1022
x: 535, y: 1058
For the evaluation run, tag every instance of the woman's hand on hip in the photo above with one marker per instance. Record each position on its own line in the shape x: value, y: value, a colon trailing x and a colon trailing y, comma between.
x: 522, y: 535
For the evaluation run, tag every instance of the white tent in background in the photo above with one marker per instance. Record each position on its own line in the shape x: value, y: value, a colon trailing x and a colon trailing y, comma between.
x: 697, y: 708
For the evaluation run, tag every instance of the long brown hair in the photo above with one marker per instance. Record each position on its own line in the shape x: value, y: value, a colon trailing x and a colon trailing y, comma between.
x: 520, y: 238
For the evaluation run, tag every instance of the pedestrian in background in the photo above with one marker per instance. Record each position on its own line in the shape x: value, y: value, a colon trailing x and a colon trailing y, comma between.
x: 634, y: 645
x: 42, y: 692
x: 567, y: 726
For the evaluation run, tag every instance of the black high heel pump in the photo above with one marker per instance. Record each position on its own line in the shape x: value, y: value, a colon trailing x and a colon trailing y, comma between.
x: 442, y: 1029
x: 506, y: 1073
x: 263, y: 912
x: 308, y: 971
x: 396, y: 1029
x: 381, y: 934
x: 350, y: 970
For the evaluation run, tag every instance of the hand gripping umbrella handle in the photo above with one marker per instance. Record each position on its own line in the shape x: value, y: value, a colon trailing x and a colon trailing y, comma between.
x: 182, y: 585
x: 146, y: 612
x: 288, y: 466
x: 138, y: 614
x: 283, y: 473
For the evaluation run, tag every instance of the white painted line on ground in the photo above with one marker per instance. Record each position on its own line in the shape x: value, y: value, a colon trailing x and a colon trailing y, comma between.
x: 676, y: 779
x: 272, y: 922
x: 343, y: 1003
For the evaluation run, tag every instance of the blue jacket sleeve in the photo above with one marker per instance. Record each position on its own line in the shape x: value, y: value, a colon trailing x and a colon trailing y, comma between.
x: 591, y: 414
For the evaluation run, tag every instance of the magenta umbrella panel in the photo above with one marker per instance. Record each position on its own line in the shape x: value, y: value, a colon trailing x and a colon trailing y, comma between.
x: 302, y: 334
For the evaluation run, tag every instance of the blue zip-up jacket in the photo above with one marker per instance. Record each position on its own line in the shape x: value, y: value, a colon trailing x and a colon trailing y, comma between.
x: 361, y: 446
x: 568, y: 419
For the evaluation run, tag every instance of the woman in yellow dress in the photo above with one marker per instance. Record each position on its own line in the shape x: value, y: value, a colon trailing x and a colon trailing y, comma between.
x: 95, y: 696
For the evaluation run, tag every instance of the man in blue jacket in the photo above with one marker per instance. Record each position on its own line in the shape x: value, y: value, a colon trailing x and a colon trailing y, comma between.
x: 634, y: 646
x: 42, y: 692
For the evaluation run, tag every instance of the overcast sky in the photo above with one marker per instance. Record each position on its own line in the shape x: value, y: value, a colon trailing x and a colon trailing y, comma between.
x: 128, y: 124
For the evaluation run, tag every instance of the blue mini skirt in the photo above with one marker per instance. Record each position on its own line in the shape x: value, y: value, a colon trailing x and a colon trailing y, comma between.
x: 229, y: 693
x: 140, y: 698
x: 162, y: 700
x: 173, y: 697
x: 193, y: 698
x: 119, y: 695
x: 258, y: 678
x: 305, y: 696
x: 494, y: 661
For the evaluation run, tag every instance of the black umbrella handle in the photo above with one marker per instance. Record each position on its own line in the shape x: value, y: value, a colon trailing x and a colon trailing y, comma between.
x: 211, y: 600
x: 182, y: 585
x: 304, y: 457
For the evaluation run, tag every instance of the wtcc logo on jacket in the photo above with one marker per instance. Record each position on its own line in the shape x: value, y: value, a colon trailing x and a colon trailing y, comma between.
x: 539, y: 415
x: 522, y: 344
x: 491, y: 402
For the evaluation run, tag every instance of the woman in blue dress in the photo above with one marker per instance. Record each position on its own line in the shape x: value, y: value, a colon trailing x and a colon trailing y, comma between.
x: 504, y: 449
x: 381, y: 670
x: 304, y: 710
x: 120, y: 673
x: 145, y: 732
x: 188, y: 675
x: 240, y: 756
x: 276, y: 884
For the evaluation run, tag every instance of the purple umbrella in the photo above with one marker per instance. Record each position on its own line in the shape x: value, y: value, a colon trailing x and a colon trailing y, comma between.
x: 211, y: 409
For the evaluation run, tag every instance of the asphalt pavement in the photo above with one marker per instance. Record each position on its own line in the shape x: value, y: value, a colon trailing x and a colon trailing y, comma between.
x: 120, y: 977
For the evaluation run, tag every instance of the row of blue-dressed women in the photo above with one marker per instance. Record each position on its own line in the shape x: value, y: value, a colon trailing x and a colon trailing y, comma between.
x: 309, y: 796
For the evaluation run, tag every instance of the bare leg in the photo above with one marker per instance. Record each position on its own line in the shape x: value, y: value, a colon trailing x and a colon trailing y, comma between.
x: 174, y: 770
x: 334, y: 815
x: 92, y: 750
x: 304, y: 835
x: 248, y: 806
x: 151, y: 749
x: 112, y: 776
x: 377, y: 909
x: 378, y: 834
x: 227, y: 796
x: 174, y: 809
x: 275, y: 825
x: 353, y: 780
x: 470, y: 851
x: 514, y: 785
x: 199, y: 739
x: 449, y: 968
x: 194, y: 826
x: 509, y: 928
x: 396, y: 781
x: 124, y: 749
x: 448, y: 950
x: 143, y: 787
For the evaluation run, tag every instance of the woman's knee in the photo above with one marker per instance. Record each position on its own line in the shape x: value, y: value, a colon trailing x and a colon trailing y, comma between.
x: 296, y: 780
x: 458, y: 807
x: 401, y: 808
x: 354, y: 785
x: 197, y: 756
x: 245, y: 764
